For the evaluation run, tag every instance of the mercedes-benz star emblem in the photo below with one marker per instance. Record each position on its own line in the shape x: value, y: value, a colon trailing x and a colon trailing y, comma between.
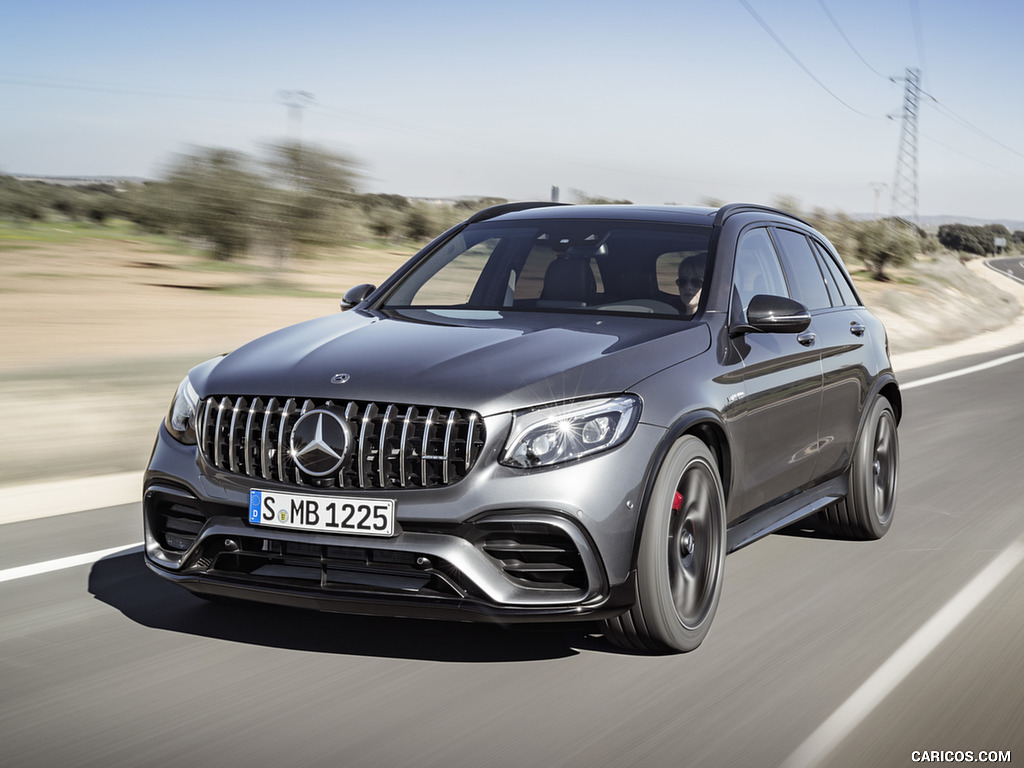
x: 319, y: 442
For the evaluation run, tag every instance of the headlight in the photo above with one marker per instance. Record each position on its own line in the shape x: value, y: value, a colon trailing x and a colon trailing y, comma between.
x: 181, y: 416
x: 571, y: 431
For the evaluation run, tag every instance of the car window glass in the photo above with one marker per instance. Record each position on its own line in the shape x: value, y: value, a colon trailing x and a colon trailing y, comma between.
x: 454, y: 282
x: 561, y: 265
x: 839, y: 279
x: 757, y: 269
x: 805, y: 280
x: 830, y: 282
x: 528, y: 283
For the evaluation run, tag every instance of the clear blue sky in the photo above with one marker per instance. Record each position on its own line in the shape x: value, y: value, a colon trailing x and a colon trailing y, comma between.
x: 653, y: 101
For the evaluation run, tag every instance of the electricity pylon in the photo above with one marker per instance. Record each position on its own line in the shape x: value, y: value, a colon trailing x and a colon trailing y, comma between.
x: 904, y: 188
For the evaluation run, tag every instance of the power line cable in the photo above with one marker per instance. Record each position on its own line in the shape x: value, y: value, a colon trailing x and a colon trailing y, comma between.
x: 970, y: 157
x: 799, y: 63
x: 947, y: 112
x: 842, y: 34
x: 127, y: 90
x: 394, y: 125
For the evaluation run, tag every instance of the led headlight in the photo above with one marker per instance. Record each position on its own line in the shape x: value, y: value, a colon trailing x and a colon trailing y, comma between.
x: 559, y: 433
x: 181, y: 416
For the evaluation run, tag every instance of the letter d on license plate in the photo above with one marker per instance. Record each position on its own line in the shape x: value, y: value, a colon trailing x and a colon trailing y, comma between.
x: 327, y: 514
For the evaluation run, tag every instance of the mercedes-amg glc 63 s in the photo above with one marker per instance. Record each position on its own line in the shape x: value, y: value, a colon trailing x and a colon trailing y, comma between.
x: 550, y: 413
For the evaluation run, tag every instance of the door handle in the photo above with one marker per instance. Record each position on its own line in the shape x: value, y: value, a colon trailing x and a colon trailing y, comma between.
x: 807, y: 338
x: 858, y: 329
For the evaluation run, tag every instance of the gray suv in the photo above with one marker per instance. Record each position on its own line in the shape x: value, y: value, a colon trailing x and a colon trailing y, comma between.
x: 550, y: 413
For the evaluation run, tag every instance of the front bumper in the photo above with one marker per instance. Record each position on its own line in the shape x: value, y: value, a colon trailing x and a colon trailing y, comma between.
x: 502, y: 545
x: 501, y: 566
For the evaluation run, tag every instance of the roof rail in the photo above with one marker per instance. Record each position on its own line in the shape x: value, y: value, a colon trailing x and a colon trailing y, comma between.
x: 733, y: 208
x: 498, y: 210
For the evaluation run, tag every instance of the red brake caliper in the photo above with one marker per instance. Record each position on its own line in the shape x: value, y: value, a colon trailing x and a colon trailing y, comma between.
x: 677, y: 502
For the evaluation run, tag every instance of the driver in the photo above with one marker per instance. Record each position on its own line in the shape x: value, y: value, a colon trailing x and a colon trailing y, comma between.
x: 691, y: 281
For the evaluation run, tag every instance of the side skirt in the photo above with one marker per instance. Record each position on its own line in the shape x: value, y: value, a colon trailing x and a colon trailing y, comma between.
x: 785, y: 513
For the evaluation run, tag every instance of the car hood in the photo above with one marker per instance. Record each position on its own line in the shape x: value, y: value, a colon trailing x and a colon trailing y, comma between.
x: 486, y: 361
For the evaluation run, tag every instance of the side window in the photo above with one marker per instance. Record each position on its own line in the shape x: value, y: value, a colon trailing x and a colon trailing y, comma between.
x: 846, y: 296
x: 757, y: 268
x: 805, y: 279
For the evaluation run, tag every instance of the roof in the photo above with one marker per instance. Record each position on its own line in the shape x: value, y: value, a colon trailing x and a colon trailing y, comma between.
x: 656, y: 213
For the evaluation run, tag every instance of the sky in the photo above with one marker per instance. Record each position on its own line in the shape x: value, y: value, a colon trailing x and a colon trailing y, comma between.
x: 650, y: 101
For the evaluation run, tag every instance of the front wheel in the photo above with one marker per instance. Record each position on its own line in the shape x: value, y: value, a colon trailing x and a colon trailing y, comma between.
x: 681, y: 560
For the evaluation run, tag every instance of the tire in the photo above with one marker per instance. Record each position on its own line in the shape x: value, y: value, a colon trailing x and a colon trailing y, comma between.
x: 681, y: 558
x: 868, y: 509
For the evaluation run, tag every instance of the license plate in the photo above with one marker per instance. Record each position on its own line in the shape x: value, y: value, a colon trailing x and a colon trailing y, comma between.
x: 364, y: 517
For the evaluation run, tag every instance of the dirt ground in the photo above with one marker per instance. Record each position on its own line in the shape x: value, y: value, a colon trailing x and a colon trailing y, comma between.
x: 97, y: 333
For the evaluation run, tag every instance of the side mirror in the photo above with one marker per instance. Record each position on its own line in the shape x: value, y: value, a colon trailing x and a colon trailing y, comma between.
x: 356, y: 295
x: 774, y: 314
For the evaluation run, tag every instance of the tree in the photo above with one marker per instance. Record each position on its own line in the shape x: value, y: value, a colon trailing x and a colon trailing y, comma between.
x: 310, y: 192
x: 881, y: 244
x: 977, y: 240
x: 19, y: 200
x: 215, y: 196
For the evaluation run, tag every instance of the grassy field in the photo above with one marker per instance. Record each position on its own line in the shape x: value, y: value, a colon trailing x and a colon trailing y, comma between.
x: 99, y: 324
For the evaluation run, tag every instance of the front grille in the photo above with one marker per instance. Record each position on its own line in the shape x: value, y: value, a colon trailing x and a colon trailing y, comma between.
x: 394, y: 446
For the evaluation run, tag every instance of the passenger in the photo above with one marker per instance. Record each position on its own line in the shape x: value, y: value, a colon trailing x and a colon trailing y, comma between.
x: 691, y: 281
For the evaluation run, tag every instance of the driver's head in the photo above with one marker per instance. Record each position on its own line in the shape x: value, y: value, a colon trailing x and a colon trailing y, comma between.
x: 691, y: 277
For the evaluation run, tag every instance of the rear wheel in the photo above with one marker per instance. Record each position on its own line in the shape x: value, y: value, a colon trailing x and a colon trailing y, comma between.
x: 681, y: 560
x: 868, y: 509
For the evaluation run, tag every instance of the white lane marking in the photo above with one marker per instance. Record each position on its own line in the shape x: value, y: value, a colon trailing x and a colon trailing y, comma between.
x: 35, y: 569
x: 905, y: 660
x: 963, y: 371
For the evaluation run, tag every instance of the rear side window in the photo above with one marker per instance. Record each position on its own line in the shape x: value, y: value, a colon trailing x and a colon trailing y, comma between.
x: 805, y: 279
x: 839, y: 282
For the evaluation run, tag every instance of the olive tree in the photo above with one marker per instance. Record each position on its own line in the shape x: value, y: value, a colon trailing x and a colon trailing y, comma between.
x: 214, y: 195
x: 882, y: 244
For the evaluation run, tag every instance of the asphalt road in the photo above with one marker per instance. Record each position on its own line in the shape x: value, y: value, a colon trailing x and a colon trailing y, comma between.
x: 1014, y: 267
x: 823, y: 652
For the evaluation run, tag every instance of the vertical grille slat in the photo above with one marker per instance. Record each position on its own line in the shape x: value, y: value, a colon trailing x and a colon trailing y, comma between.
x: 470, y: 437
x: 282, y: 435
x: 266, y: 445
x: 403, y: 447
x: 236, y: 409
x: 256, y: 405
x: 208, y: 434
x: 384, y: 447
x: 446, y: 465
x: 428, y: 431
x: 218, y: 457
x: 365, y: 449
x: 393, y: 445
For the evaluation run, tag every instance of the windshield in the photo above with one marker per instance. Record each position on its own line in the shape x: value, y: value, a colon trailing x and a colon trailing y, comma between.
x: 563, y: 265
